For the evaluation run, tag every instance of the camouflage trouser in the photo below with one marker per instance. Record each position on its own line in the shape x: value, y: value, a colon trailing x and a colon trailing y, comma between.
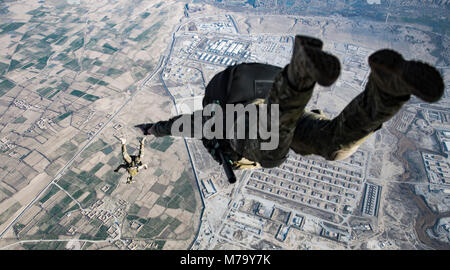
x: 312, y: 133
x: 340, y: 137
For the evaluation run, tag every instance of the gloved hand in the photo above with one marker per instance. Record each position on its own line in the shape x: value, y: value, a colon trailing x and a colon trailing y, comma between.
x: 145, y: 128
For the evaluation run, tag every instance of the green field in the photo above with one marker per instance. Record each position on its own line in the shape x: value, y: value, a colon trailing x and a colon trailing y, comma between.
x: 45, y: 245
x: 82, y: 94
x: 18, y: 227
x: 162, y: 143
x: 7, y: 27
x: 42, y: 62
x: 3, y: 68
x: 77, y: 184
x: 77, y: 93
x: 96, y: 168
x: 109, y: 26
x: 63, y: 86
x: 5, y: 86
x: 90, y: 199
x: 5, y: 215
x: 172, y: 201
x: 134, y: 209
x: 19, y: 120
x: 132, y: 217
x: 98, y: 63
x: 108, y: 49
x: 13, y: 65
x: 37, y: 13
x: 86, y: 63
x: 44, y: 91
x: 76, y: 44
x: 93, y: 80
x: 113, y: 72
x: 107, y: 150
x: 62, y: 117
x: 58, y: 35
x: 102, y: 233
x: 49, y: 193
x: 154, y: 226
x: 90, y: 97
x: 145, y: 15
x: 181, y: 196
x: 64, y: 184
x: 112, y: 178
x: 49, y: 227
x: 93, y: 148
x: 66, y: 151
x: 72, y: 65
x: 114, y: 161
x: 150, y: 31
x: 130, y: 28
x: 77, y: 194
x: 54, y: 94
x: 92, y: 43
x: 26, y: 35
x: 158, y: 172
x: 160, y: 244
x: 62, y: 40
x: 158, y: 5
x: 61, y: 57
x: 28, y: 65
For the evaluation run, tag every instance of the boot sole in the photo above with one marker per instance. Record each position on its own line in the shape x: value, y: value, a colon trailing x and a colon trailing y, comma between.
x: 326, y: 67
x: 309, y: 41
x: 424, y: 80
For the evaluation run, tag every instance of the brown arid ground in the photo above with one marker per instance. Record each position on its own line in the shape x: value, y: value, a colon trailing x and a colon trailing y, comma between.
x: 152, y: 103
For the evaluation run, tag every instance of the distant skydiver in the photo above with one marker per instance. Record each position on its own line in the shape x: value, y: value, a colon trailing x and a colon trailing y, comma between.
x: 132, y: 163
x: 391, y: 83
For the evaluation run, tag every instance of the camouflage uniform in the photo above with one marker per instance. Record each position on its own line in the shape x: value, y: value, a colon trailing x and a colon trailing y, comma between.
x: 132, y: 163
x: 391, y: 82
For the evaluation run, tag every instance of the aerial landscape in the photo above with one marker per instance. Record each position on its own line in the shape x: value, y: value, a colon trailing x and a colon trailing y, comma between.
x: 77, y: 75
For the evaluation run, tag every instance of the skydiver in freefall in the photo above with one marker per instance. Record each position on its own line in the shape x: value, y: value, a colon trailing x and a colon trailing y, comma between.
x: 133, y: 164
x: 391, y: 83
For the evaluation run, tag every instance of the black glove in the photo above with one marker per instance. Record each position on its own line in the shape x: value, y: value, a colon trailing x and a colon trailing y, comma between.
x: 145, y: 128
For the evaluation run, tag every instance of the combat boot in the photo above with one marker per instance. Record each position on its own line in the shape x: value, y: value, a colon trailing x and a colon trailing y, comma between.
x: 309, y: 64
x: 309, y: 41
x: 397, y: 77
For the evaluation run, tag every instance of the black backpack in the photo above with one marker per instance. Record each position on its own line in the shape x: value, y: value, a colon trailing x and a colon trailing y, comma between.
x: 242, y: 83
